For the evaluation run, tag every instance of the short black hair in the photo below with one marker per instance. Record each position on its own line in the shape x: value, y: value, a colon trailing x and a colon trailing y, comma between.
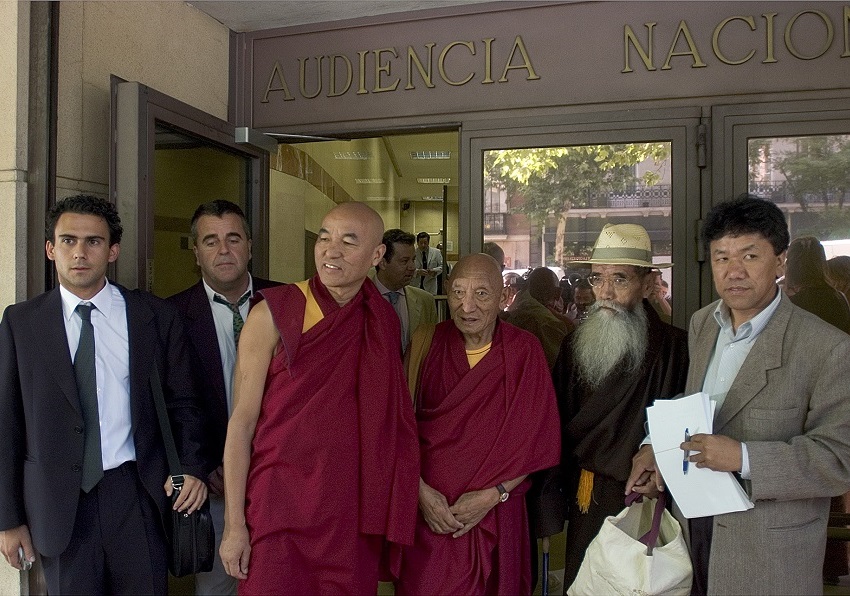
x: 747, y: 214
x: 218, y: 208
x: 422, y: 235
x: 392, y: 236
x: 84, y: 205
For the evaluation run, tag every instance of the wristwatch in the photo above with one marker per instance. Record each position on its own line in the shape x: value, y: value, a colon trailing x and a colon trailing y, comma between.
x: 503, y: 494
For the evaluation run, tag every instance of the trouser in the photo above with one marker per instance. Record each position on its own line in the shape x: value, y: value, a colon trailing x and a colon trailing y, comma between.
x: 117, y: 545
x: 701, y: 529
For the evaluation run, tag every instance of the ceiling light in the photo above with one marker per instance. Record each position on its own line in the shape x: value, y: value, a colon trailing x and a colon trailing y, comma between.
x: 369, y: 180
x: 433, y: 198
x: 433, y: 180
x: 359, y: 155
x: 430, y: 155
x: 384, y: 199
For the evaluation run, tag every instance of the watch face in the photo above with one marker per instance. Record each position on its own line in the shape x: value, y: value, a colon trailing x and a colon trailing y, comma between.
x: 504, y: 497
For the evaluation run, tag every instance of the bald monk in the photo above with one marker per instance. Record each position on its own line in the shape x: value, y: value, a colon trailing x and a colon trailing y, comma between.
x: 321, y: 463
x: 487, y: 417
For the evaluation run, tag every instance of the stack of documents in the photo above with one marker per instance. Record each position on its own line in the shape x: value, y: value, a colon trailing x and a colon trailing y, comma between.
x: 698, y: 492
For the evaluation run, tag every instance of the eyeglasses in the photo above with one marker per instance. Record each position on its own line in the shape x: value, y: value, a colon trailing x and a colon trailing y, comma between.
x: 619, y: 282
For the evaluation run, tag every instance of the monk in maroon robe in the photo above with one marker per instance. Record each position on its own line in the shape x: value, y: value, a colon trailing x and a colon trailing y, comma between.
x: 321, y: 463
x: 487, y: 417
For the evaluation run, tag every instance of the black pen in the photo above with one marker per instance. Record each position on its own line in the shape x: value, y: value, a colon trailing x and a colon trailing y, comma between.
x: 687, y: 453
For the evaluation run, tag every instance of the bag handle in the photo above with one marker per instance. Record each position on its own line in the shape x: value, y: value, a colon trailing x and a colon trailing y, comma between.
x: 651, y: 537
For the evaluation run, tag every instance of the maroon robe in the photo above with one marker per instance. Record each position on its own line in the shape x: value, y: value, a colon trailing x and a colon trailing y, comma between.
x: 477, y: 428
x: 334, y: 467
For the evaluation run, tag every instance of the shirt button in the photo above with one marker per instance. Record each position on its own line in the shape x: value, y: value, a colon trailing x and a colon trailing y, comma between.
x: 78, y: 430
x: 76, y: 467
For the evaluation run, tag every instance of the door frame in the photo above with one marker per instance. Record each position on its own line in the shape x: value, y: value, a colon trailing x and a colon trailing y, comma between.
x: 135, y: 110
x: 680, y: 126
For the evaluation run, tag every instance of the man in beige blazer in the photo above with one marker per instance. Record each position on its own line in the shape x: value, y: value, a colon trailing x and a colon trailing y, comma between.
x: 413, y: 306
x: 780, y: 378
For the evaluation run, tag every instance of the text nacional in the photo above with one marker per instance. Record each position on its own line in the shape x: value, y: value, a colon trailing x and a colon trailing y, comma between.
x: 766, y: 30
x: 377, y: 70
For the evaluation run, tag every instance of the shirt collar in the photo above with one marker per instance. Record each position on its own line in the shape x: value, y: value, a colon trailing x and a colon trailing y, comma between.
x: 384, y: 290
x: 102, y: 301
x: 751, y: 329
x: 211, y: 293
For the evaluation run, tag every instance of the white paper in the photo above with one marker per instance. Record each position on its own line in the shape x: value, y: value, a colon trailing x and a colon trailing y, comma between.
x: 700, y: 492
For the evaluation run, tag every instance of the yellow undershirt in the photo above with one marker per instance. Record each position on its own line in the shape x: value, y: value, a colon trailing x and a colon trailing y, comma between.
x: 312, y: 311
x: 475, y: 356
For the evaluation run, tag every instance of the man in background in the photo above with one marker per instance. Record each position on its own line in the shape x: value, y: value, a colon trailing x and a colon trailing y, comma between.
x: 413, y: 305
x: 214, y: 310
x: 429, y: 264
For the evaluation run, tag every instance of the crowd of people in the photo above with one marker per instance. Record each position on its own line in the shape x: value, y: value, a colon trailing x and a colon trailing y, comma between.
x: 343, y: 436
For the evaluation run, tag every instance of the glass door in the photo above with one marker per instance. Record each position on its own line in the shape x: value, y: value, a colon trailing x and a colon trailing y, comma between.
x: 544, y: 193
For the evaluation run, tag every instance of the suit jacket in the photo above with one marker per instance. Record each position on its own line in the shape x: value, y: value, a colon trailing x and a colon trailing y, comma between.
x: 421, y: 309
x: 790, y: 404
x: 527, y: 313
x: 41, y: 419
x: 194, y: 305
x: 435, y: 263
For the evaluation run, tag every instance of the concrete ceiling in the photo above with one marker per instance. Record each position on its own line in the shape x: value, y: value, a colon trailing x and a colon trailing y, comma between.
x: 255, y: 15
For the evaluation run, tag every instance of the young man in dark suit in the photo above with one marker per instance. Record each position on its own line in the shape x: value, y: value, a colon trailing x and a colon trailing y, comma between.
x: 86, y: 479
x: 214, y: 310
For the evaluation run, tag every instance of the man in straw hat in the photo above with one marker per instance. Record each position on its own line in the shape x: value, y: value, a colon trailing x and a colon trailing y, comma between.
x: 608, y: 371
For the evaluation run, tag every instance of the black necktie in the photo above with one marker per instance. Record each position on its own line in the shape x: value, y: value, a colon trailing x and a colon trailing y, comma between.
x: 424, y: 267
x: 238, y: 322
x: 84, y: 371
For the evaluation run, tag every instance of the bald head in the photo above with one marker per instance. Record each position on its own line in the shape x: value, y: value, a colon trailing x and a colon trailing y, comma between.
x: 348, y: 246
x: 478, y: 264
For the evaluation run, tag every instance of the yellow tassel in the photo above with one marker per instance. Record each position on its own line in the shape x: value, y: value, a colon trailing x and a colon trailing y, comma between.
x: 585, y: 491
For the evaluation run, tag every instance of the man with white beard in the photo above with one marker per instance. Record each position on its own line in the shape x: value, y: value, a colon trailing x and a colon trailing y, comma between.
x: 621, y: 359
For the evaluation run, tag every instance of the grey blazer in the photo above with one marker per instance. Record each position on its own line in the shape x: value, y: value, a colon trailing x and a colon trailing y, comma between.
x: 790, y: 403
x: 421, y: 308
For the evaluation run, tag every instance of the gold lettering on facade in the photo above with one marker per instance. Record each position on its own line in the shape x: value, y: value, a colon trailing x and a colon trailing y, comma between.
x: 768, y: 17
x: 362, y: 72
x: 715, y: 40
x: 526, y: 62
x: 383, y: 68
x: 488, y: 60
x: 303, y: 76
x: 277, y: 72
x: 349, y: 74
x: 645, y: 55
x: 692, y: 48
x: 426, y: 74
x: 441, y: 62
x: 830, y: 35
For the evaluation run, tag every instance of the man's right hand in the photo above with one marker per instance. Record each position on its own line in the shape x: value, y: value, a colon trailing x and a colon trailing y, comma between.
x: 435, y: 510
x: 235, y: 551
x: 645, y: 478
x: 11, y: 541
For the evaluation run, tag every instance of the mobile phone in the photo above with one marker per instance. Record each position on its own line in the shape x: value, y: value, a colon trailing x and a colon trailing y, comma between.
x: 26, y: 564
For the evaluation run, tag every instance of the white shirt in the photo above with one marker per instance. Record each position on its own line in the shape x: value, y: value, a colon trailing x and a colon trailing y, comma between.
x: 112, y: 368
x: 400, y: 309
x: 223, y: 318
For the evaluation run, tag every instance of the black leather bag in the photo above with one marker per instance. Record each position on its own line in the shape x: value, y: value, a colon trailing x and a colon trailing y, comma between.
x: 191, y: 537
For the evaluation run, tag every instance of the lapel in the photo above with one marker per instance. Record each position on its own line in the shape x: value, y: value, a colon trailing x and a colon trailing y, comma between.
x: 201, y: 332
x: 414, y: 310
x: 142, y: 342
x: 765, y: 355
x: 703, y: 350
x: 49, y: 327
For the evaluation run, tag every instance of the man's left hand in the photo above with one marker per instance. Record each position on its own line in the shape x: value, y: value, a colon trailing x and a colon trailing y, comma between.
x: 192, y: 495
x: 471, y: 507
x: 716, y: 452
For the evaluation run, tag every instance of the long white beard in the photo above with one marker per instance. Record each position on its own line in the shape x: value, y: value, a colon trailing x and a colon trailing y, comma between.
x: 608, y: 340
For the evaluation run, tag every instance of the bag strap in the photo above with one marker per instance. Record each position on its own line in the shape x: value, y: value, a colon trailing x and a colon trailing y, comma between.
x: 419, y: 347
x: 175, y: 469
x: 651, y: 537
